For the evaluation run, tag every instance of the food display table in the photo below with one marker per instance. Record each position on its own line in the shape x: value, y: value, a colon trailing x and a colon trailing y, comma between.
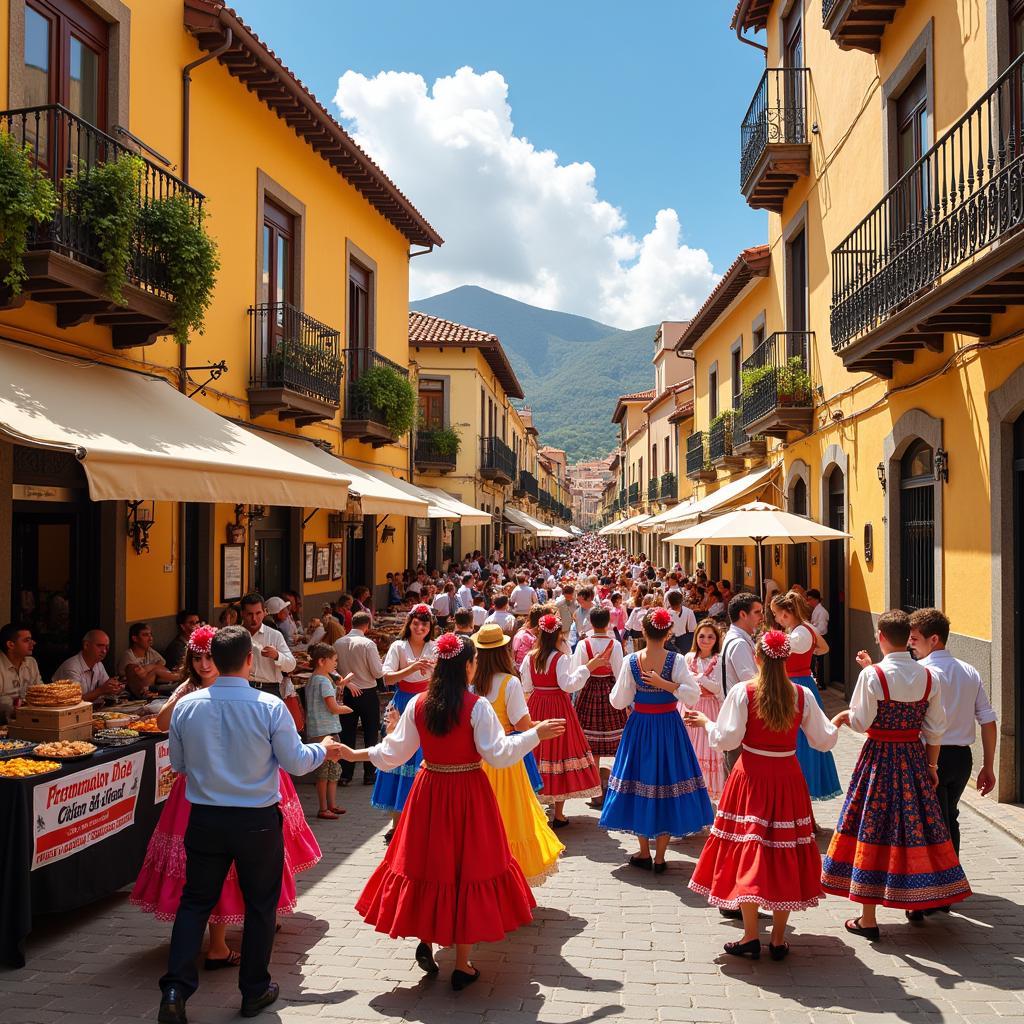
x: 75, y: 836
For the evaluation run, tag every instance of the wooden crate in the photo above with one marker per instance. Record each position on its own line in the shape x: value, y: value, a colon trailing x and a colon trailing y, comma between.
x: 39, y: 724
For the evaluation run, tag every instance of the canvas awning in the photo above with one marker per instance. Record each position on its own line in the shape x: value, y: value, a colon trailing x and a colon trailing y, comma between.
x: 555, y: 532
x: 610, y: 528
x: 137, y: 437
x: 466, y: 514
x: 628, y: 525
x: 534, y: 526
x: 669, y: 518
x: 726, y: 497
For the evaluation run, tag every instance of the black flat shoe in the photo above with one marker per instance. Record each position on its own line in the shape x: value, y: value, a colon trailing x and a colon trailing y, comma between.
x: 779, y: 952
x: 660, y: 869
x: 751, y: 949
x: 460, y: 979
x: 916, y: 916
x: 854, y: 927
x: 254, y: 1007
x: 557, y: 823
x: 425, y: 958
x: 643, y: 863
x: 233, y: 959
x: 172, y: 1007
x: 732, y: 915
x: 388, y: 836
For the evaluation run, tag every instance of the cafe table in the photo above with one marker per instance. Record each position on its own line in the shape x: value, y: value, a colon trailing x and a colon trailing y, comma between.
x: 75, y: 836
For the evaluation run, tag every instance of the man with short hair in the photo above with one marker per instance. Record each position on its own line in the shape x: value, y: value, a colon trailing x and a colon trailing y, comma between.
x: 523, y: 596
x: 819, y: 623
x: 581, y: 616
x: 502, y: 616
x: 465, y: 594
x: 463, y: 620
x: 565, y: 608
x: 86, y: 668
x: 684, y: 623
x: 966, y: 705
x: 142, y: 665
x: 358, y: 656
x: 18, y: 669
x: 443, y: 606
x: 479, y: 611
x: 272, y: 657
x: 231, y: 742
x: 185, y: 621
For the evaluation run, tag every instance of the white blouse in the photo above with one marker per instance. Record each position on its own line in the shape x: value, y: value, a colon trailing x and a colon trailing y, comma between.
x: 708, y: 672
x: 624, y: 691
x: 907, y: 681
x: 492, y: 744
x: 515, y: 699
x: 569, y: 679
x: 598, y: 644
x: 728, y: 731
x: 801, y: 640
x: 400, y: 654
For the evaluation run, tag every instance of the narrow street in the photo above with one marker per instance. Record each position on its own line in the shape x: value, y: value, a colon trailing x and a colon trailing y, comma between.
x: 608, y: 943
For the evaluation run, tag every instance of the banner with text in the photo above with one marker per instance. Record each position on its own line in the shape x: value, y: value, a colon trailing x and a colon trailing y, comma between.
x: 78, y: 810
x: 165, y: 774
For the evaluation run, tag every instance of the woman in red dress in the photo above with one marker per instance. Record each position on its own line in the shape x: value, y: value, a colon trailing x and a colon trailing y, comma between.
x: 449, y: 877
x: 761, y: 851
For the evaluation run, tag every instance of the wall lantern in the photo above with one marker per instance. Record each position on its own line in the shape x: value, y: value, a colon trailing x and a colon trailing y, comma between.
x: 942, y: 465
x: 254, y: 512
x: 387, y: 534
x: 141, y: 517
x: 880, y: 470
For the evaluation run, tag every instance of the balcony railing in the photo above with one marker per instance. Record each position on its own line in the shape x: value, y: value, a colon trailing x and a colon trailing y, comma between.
x: 778, y: 394
x: 698, y: 465
x: 747, y: 445
x: 432, y: 453
x: 634, y: 494
x: 292, y: 351
x: 668, y: 487
x: 652, y: 489
x: 623, y: 498
x: 963, y: 195
x: 545, y: 501
x: 720, y: 437
x: 361, y: 419
x: 528, y: 484
x: 497, y: 460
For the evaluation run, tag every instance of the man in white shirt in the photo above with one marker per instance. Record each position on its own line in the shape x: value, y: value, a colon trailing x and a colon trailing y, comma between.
x: 966, y: 705
x: 271, y: 657
x: 565, y: 608
x: 479, y: 611
x: 86, y: 668
x: 465, y: 594
x: 523, y: 596
x: 502, y: 616
x: 746, y: 613
x: 819, y: 623
x: 277, y: 609
x: 445, y: 604
x: 358, y: 655
x: 18, y: 669
x: 684, y: 622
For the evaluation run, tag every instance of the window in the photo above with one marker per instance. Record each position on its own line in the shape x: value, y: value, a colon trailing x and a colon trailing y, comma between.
x: 431, y: 396
x: 668, y: 456
x: 917, y: 527
x: 360, y: 290
x: 712, y: 392
x: 796, y: 292
x: 1016, y: 28
x: 737, y: 370
x: 277, y: 275
x: 654, y: 461
x: 793, y: 57
x: 912, y: 123
x: 793, y: 37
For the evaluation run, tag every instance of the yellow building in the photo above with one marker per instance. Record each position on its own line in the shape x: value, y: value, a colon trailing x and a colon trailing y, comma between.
x: 188, y: 507
x: 889, y: 382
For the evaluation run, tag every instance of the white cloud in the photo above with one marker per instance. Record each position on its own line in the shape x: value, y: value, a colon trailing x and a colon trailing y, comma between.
x: 514, y: 218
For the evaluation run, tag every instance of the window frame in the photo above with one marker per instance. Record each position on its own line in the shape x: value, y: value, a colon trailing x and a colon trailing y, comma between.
x: 919, y: 56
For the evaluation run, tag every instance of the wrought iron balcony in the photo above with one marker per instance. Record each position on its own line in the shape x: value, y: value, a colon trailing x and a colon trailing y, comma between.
x: 942, y: 252
x: 528, y: 484
x: 623, y: 498
x: 778, y: 393
x: 668, y: 487
x: 698, y: 465
x: 433, y: 453
x: 652, y: 489
x: 749, y: 446
x: 634, y: 494
x: 774, y: 145
x: 361, y: 419
x: 859, y: 24
x: 497, y: 461
x: 63, y: 263
x: 720, y: 437
x: 295, y: 364
x: 545, y: 501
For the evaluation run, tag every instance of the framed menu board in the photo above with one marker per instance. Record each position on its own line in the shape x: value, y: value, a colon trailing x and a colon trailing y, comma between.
x: 232, y: 572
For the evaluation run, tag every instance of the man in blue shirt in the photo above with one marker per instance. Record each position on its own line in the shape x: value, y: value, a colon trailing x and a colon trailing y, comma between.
x: 229, y: 740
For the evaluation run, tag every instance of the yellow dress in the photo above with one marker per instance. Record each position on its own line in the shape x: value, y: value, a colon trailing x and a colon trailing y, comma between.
x: 530, y: 838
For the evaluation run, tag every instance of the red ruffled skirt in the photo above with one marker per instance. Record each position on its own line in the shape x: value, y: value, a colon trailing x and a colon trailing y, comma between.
x: 566, y: 763
x: 448, y: 876
x: 761, y: 848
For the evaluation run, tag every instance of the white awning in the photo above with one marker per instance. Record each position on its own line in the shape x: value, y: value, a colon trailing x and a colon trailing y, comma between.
x: 556, y: 532
x: 606, y: 531
x: 137, y: 437
x: 628, y: 525
x: 467, y: 514
x: 575, y: 531
x: 668, y: 519
x: 728, y: 495
x: 521, y: 519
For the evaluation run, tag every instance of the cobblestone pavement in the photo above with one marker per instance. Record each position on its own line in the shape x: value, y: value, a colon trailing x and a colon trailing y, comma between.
x: 608, y: 943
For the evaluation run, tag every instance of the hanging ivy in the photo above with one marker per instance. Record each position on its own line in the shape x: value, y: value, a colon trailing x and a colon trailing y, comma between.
x: 384, y: 389
x: 27, y: 198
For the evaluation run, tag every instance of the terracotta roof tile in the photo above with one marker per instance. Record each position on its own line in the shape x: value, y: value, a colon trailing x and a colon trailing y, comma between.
x: 751, y: 14
x: 638, y: 396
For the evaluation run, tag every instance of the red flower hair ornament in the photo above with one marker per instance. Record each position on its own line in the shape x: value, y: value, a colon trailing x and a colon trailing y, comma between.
x: 660, y: 618
x: 550, y: 623
x: 201, y: 638
x: 448, y: 646
x: 420, y: 610
x: 775, y: 645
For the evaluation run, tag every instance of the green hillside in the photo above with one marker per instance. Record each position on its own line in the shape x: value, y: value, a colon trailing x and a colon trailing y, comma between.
x: 571, y: 368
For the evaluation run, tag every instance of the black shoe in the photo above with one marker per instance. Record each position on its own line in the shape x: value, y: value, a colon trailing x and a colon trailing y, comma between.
x: 733, y: 915
x: 172, y: 1007
x: 425, y: 958
x: 344, y: 782
x: 779, y: 952
x: 388, y: 836
x: 660, y: 869
x: 917, y: 916
x: 644, y: 863
x: 460, y: 979
x: 557, y: 823
x: 751, y: 949
x: 937, y: 910
x: 254, y: 1007
x: 854, y: 927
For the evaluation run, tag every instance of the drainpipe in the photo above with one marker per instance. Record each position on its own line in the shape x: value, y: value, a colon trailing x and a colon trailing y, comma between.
x: 739, y: 31
x: 186, y: 95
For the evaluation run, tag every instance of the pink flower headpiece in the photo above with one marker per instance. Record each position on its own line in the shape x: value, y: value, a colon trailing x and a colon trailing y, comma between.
x: 550, y: 623
x: 201, y: 638
x: 660, y: 618
x: 448, y: 646
x: 775, y: 644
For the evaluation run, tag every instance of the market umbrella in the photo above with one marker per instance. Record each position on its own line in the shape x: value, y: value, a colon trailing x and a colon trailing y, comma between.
x: 758, y: 522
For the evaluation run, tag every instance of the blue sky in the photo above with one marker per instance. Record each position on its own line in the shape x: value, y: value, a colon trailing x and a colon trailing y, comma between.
x: 651, y: 94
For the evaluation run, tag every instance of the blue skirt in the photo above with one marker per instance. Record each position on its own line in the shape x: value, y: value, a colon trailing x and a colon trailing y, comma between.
x: 818, y: 766
x: 656, y: 787
x: 391, y: 788
x: 532, y: 771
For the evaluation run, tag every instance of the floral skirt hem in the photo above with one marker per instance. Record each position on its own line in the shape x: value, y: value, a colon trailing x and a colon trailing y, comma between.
x: 761, y: 901
x: 873, y: 900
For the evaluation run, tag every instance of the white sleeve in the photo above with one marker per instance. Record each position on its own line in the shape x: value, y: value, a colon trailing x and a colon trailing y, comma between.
x: 689, y: 620
x: 399, y: 745
x: 624, y: 691
x: 515, y: 701
x: 497, y: 749
x: 818, y: 728
x: 687, y: 688
x: 393, y: 659
x: 285, y: 659
x: 742, y: 667
x: 728, y: 731
x: 801, y: 640
x: 864, y: 701
x: 579, y: 656
x: 526, y: 674
x: 616, y: 659
x: 571, y: 679
x: 934, y: 725
x: 983, y: 710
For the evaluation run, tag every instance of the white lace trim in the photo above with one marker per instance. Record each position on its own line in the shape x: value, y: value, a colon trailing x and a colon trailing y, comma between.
x: 753, y: 837
x: 780, y: 905
x: 753, y: 819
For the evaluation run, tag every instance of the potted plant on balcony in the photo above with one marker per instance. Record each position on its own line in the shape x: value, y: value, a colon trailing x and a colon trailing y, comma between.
x: 793, y: 382
x: 446, y: 441
x: 390, y: 394
x: 27, y: 198
x: 303, y: 361
x: 751, y: 378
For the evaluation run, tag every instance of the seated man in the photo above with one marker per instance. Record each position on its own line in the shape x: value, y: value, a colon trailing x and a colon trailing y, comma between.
x: 142, y: 666
x: 174, y: 653
x: 86, y: 669
x: 280, y: 616
x: 18, y: 669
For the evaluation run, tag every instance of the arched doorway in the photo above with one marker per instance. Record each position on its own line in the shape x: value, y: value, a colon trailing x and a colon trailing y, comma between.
x: 835, y: 567
x: 797, y: 562
x: 917, y: 527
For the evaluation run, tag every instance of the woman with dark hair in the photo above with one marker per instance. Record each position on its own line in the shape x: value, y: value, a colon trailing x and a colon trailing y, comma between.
x: 656, y: 790
x: 702, y: 661
x: 448, y: 877
x: 566, y: 763
x: 407, y: 667
x: 761, y: 851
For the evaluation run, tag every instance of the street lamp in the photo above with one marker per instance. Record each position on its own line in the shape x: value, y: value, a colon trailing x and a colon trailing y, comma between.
x: 942, y: 465
x: 880, y: 470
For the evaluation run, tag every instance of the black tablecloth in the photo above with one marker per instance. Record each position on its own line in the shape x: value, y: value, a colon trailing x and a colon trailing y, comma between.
x: 86, y: 876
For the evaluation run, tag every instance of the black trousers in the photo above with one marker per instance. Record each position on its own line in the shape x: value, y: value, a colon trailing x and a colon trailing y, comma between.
x: 365, y: 710
x: 217, y: 837
x: 955, y: 769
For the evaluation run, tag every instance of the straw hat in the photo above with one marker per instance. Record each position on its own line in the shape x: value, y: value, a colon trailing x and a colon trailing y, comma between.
x: 490, y: 636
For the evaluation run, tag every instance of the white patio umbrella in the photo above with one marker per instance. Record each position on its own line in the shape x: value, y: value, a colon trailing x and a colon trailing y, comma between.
x: 758, y: 522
